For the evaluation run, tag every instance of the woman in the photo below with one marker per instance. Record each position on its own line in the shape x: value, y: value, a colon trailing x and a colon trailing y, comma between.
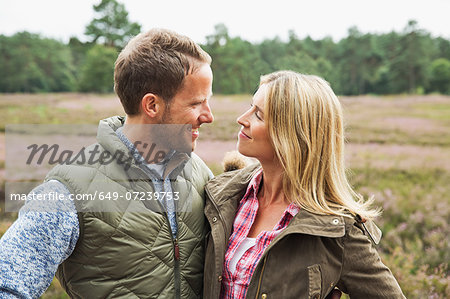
x: 291, y: 226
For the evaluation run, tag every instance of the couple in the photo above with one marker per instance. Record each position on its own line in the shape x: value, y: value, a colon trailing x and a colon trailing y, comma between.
x: 289, y: 226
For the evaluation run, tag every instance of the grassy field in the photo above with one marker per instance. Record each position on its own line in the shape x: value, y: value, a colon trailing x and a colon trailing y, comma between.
x: 398, y: 150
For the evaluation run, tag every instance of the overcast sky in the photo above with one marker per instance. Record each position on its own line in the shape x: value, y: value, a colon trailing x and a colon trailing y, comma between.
x: 253, y: 20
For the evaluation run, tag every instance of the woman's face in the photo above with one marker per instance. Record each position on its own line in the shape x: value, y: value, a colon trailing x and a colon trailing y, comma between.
x: 253, y: 138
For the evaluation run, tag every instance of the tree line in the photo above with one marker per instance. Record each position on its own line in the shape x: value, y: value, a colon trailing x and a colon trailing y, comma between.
x: 411, y: 61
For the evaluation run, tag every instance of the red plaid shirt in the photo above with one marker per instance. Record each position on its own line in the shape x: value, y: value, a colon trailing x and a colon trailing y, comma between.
x: 235, y: 285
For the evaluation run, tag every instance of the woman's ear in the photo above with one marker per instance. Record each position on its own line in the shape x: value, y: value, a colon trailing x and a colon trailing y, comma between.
x: 152, y: 105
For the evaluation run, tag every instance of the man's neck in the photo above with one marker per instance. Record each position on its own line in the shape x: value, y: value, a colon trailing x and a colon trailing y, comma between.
x: 136, y: 131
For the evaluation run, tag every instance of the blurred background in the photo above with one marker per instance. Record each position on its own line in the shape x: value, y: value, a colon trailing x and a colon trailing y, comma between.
x: 389, y: 62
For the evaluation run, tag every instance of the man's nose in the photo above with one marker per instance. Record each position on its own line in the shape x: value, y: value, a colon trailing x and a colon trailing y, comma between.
x: 206, y: 116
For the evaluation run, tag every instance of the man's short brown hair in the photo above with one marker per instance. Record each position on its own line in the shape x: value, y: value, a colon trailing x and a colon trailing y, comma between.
x: 155, y: 62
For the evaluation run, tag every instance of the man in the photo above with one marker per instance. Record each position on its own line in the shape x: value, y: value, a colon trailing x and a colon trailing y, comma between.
x: 126, y: 248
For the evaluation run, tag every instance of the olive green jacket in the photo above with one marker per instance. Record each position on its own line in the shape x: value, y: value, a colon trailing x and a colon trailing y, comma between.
x: 126, y: 248
x: 314, y: 254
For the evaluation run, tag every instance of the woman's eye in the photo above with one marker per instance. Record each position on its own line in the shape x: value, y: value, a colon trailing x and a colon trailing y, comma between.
x: 256, y: 111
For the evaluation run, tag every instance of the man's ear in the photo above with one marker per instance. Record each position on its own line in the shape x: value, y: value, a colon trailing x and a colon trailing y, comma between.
x: 152, y: 105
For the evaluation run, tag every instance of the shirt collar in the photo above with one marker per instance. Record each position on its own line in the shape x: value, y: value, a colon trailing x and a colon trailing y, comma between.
x: 253, y: 186
x: 178, y: 159
x: 292, y: 209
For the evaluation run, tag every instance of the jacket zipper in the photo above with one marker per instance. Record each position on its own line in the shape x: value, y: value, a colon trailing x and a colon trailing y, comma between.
x: 176, y: 247
x: 177, y: 282
x: 176, y: 253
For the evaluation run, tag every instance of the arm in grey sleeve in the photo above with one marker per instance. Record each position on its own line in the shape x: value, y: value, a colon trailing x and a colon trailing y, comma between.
x: 37, y: 243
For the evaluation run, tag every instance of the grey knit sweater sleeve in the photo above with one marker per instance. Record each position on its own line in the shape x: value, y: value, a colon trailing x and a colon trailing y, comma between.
x: 36, y: 243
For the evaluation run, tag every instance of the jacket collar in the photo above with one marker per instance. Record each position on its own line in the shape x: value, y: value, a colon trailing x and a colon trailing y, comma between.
x: 108, y: 138
x: 305, y: 222
x: 226, y: 190
x: 231, y: 186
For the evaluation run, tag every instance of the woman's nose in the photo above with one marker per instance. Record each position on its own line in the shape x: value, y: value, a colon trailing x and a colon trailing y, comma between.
x: 243, y: 119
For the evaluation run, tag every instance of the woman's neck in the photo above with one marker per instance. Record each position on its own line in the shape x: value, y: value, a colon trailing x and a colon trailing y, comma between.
x: 271, y: 191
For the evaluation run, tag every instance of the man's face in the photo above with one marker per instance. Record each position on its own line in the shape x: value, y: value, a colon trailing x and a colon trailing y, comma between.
x: 190, y: 105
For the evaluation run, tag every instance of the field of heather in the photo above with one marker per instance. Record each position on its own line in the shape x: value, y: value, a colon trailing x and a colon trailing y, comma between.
x: 398, y: 150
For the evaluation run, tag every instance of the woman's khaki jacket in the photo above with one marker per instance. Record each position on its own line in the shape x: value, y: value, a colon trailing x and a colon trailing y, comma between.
x: 314, y: 254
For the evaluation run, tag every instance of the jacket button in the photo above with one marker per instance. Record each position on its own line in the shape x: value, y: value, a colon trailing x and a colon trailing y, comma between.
x: 219, y: 278
x: 335, y: 221
x: 214, y: 219
x: 264, y: 296
x: 316, y: 296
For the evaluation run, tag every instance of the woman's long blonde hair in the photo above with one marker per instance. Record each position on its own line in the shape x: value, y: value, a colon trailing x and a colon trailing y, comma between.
x: 305, y: 123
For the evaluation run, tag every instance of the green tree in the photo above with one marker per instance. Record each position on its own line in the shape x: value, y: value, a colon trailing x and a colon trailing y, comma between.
x: 111, y: 27
x: 270, y: 51
x: 384, y: 77
x: 357, y: 62
x: 296, y: 58
x: 220, y: 36
x: 443, y: 46
x: 410, y: 65
x: 34, y: 64
x: 237, y: 64
x: 79, y: 52
x: 440, y: 75
x: 299, y: 62
x: 315, y: 57
x: 97, y: 72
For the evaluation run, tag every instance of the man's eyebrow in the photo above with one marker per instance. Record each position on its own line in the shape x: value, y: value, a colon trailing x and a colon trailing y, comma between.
x: 202, y: 99
x: 207, y: 98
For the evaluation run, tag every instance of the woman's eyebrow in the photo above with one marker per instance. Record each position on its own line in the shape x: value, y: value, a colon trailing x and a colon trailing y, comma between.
x: 259, y: 108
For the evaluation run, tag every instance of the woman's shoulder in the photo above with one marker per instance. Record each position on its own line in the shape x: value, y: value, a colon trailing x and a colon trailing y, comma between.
x: 238, y: 176
x: 356, y: 225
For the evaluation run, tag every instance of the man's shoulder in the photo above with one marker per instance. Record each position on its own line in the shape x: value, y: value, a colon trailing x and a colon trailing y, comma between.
x: 66, y: 174
x: 199, y: 168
